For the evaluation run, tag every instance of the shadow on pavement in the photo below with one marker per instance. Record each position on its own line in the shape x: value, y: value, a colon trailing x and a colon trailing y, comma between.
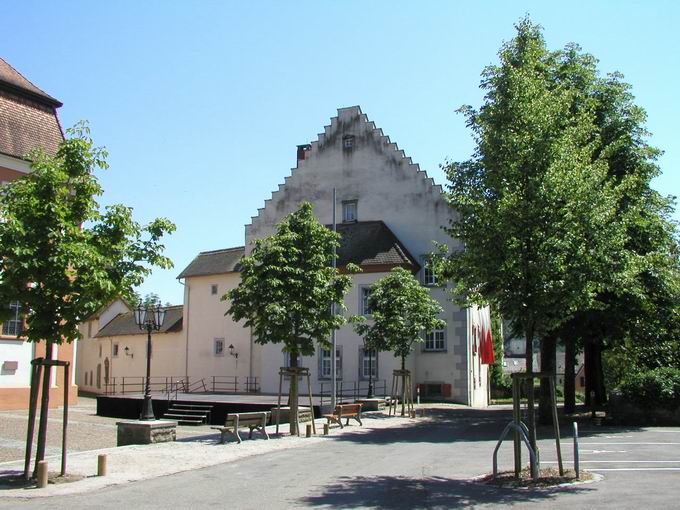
x: 461, y: 425
x: 389, y: 492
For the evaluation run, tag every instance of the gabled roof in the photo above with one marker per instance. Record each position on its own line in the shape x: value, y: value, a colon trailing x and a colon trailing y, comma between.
x: 372, y: 245
x: 214, y: 262
x: 13, y: 81
x: 124, y: 324
x: 28, y: 117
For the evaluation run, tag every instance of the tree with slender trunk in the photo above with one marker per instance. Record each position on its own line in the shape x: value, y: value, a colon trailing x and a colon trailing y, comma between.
x: 535, y: 206
x: 62, y: 257
x: 402, y: 311
x: 287, y: 288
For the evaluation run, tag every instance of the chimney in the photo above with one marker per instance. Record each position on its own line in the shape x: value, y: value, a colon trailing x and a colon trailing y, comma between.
x: 302, y: 151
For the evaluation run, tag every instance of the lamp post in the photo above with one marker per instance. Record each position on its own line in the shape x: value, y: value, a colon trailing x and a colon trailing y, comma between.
x: 149, y: 318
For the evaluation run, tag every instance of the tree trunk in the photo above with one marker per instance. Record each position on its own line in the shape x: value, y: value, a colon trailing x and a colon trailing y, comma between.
x: 531, y: 410
x: 588, y: 369
x: 548, y: 349
x: 570, y: 376
x: 44, y: 409
x: 403, y: 385
x: 598, y: 383
x: 293, y: 396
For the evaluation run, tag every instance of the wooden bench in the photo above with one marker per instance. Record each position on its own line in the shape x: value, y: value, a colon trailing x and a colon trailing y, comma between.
x: 234, y: 421
x: 345, y: 411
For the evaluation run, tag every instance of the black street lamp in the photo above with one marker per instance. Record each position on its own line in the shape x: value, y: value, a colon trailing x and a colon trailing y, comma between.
x: 370, y: 369
x: 149, y: 318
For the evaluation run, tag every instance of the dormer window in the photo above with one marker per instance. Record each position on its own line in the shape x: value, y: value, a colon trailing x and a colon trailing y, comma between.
x: 348, y: 142
x: 349, y: 211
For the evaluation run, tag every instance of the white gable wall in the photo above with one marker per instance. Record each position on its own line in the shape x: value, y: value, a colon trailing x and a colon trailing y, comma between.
x: 388, y: 187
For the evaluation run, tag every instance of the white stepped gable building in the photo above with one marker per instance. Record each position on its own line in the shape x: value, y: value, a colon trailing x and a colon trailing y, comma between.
x: 389, y: 212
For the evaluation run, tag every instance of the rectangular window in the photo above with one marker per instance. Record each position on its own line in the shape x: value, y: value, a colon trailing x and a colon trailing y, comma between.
x: 368, y: 363
x: 349, y: 211
x: 364, y: 302
x: 429, y: 275
x: 114, y: 354
x: 219, y: 347
x: 14, y: 326
x: 213, y: 289
x: 325, y: 363
x: 435, y: 340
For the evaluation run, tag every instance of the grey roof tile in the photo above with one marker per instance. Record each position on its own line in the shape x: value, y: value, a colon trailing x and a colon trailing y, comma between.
x: 214, y: 262
x: 124, y: 323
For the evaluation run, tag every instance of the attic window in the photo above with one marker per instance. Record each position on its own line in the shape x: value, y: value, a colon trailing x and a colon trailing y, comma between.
x: 213, y: 289
x: 348, y: 142
x: 349, y: 211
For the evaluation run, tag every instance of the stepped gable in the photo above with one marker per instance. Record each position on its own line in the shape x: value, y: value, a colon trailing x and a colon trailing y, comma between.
x: 372, y: 246
x: 214, y: 262
x: 351, y: 116
x: 28, y: 116
x: 124, y: 324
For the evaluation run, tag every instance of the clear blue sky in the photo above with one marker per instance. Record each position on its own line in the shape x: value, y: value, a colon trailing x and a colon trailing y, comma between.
x: 201, y: 104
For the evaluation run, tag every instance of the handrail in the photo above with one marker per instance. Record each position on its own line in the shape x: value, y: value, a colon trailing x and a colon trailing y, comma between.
x: 167, y: 385
x: 522, y: 429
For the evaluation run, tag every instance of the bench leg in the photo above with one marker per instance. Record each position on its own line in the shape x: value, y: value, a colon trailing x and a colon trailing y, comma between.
x: 238, y: 438
x: 358, y: 418
x: 263, y: 428
x: 223, y: 437
x: 347, y: 422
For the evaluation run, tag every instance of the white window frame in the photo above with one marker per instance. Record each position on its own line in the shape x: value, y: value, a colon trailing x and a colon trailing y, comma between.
x: 218, y: 347
x: 325, y: 363
x: 14, y: 326
x: 363, y: 360
x: 350, y: 206
x: 364, y: 294
x: 433, y: 343
x: 430, y: 278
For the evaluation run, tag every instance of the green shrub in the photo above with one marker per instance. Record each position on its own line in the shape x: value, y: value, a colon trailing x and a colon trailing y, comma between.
x: 659, y: 387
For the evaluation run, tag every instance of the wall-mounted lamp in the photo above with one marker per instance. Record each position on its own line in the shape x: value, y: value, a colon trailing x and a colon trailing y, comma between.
x: 128, y: 353
x: 232, y: 352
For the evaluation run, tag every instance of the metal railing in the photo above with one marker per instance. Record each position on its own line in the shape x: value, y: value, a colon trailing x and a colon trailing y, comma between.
x: 180, y: 384
x: 351, y: 390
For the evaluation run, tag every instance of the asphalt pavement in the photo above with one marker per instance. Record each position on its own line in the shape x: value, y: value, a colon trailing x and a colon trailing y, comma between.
x: 428, y: 464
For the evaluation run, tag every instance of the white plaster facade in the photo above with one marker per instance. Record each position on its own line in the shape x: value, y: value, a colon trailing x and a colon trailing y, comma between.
x: 386, y: 186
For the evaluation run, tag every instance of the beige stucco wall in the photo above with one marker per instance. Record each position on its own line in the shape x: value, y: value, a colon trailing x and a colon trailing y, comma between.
x: 204, y: 321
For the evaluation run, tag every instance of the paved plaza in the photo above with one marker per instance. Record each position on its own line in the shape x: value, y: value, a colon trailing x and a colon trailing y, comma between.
x: 402, y: 463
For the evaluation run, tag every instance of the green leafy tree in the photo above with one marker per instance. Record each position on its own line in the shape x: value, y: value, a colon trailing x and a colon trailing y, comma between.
x: 61, y: 257
x: 535, y: 208
x: 287, y: 288
x: 401, y: 311
x: 639, y: 315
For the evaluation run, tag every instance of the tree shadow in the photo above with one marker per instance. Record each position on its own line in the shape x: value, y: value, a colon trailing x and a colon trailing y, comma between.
x: 462, y: 425
x: 396, y: 492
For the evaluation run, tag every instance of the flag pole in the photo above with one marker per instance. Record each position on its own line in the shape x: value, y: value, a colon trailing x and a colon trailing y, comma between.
x: 334, y: 389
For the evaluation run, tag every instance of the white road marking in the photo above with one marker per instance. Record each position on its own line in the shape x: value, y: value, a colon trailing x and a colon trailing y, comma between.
x: 636, y: 469
x: 595, y: 452
x: 618, y: 461
x: 620, y: 442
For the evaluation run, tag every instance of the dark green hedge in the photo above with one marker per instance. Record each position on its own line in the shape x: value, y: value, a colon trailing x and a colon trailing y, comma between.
x: 659, y: 387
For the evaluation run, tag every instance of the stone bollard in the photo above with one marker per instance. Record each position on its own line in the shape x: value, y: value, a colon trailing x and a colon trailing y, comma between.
x: 101, y: 465
x: 42, y: 474
x: 309, y: 431
x: 326, y: 429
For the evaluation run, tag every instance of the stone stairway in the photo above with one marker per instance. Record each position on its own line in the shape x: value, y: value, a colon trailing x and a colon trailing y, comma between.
x: 189, y: 414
